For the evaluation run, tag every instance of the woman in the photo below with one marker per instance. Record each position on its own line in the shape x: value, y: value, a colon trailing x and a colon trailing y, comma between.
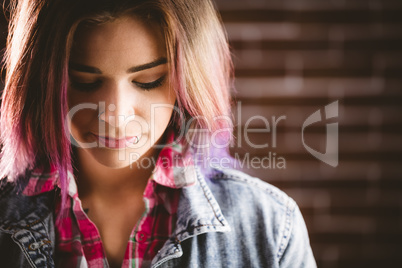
x: 109, y: 114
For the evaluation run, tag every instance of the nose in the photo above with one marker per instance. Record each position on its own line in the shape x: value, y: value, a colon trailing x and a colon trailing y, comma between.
x: 117, y: 109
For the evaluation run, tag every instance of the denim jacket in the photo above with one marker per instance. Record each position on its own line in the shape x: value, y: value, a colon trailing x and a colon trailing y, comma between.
x: 226, y: 219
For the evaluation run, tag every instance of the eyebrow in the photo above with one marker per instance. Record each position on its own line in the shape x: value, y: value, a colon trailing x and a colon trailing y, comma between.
x: 147, y: 65
x: 89, y: 69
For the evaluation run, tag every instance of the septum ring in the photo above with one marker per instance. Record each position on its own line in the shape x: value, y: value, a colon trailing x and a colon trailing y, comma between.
x: 137, y: 139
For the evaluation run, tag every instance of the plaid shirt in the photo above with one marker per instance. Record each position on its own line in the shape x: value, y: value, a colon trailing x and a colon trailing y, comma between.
x: 79, y: 242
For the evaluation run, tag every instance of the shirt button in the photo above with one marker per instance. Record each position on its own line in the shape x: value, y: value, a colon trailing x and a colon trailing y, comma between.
x: 140, y: 237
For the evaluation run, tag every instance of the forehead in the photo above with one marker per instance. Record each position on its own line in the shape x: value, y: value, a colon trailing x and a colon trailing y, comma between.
x: 123, y: 39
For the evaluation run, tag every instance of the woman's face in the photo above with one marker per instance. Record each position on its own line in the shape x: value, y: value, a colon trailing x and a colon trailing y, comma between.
x: 119, y: 96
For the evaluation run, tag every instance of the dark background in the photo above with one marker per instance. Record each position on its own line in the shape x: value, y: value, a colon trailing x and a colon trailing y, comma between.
x: 292, y: 58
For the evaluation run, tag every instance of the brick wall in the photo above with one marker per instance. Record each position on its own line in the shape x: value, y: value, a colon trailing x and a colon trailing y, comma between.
x: 293, y: 58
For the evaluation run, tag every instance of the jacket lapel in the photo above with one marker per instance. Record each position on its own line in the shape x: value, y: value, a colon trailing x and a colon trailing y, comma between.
x: 198, y: 213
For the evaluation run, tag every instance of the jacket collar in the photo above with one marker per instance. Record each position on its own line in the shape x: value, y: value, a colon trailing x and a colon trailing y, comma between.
x: 18, y: 210
x: 198, y: 213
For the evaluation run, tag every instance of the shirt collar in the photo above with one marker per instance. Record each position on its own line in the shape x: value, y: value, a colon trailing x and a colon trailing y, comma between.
x: 41, y: 181
x: 173, y: 168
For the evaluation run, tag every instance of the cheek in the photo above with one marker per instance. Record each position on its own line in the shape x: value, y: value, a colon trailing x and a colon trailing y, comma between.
x: 80, y: 115
x: 74, y: 98
x: 83, y: 117
x: 160, y: 110
x: 82, y: 125
x: 162, y: 117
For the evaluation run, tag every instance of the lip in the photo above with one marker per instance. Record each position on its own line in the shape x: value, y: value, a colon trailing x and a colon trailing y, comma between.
x: 114, y: 143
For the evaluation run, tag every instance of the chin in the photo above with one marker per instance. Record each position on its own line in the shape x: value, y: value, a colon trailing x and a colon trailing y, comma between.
x: 116, y: 159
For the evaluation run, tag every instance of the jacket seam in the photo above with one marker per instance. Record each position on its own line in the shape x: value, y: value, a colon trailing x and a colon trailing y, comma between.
x: 203, y: 184
x: 195, y: 227
x: 282, y: 198
x: 287, y: 231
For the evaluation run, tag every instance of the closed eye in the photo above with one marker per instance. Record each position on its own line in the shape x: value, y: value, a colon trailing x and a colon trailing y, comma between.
x: 88, y: 87
x: 85, y: 87
x: 150, y: 85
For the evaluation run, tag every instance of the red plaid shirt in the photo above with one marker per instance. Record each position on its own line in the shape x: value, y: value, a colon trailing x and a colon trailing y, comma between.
x: 79, y: 242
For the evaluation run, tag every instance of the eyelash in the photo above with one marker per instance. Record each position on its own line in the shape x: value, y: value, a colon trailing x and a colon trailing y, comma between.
x: 87, y: 87
x: 151, y: 85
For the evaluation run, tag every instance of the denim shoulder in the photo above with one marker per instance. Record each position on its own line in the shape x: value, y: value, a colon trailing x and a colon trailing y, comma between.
x: 267, y: 217
x: 25, y: 222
